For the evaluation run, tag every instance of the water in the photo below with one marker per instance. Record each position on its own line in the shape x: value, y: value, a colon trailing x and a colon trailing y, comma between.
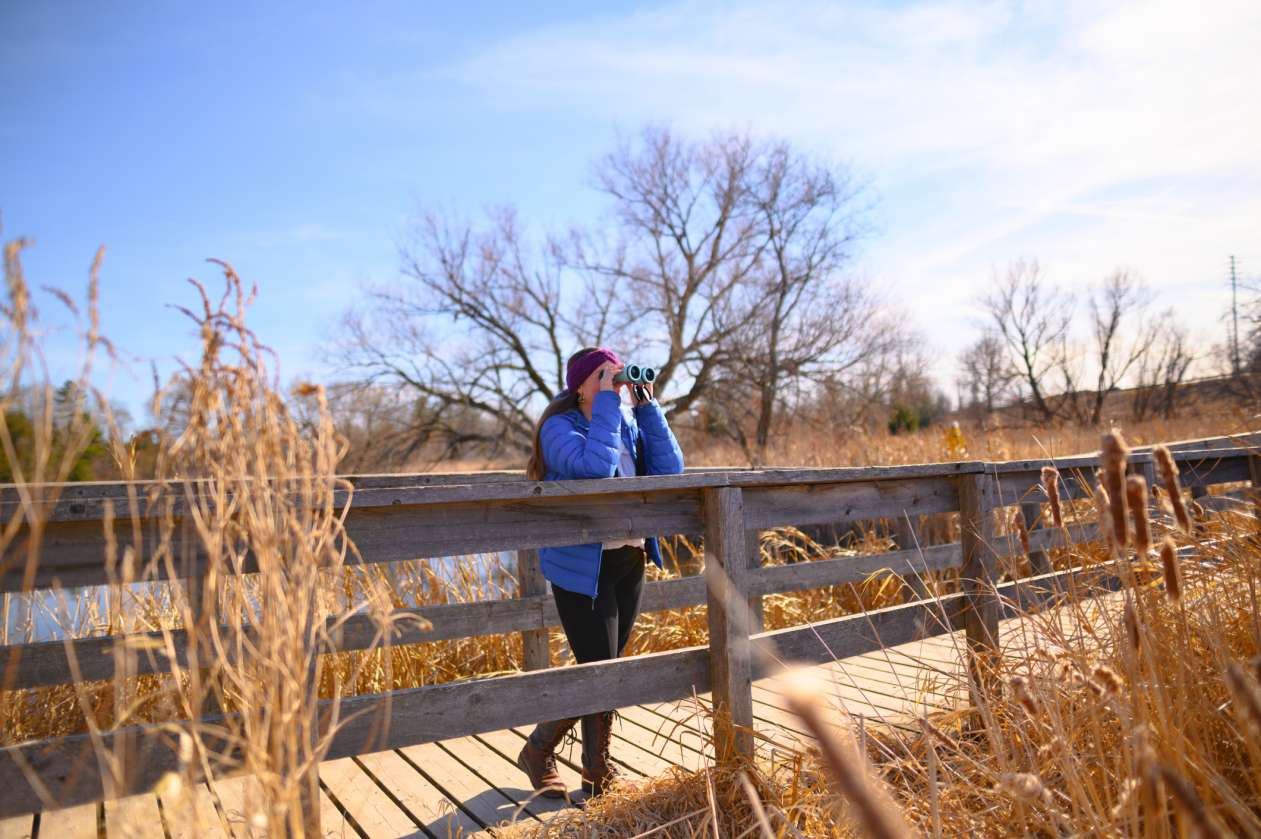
x: 46, y: 615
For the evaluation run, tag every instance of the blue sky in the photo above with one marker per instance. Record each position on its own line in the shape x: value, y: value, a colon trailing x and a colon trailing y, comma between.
x: 294, y: 140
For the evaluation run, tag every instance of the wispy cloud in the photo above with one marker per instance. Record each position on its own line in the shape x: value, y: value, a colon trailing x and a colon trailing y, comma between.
x: 1084, y: 133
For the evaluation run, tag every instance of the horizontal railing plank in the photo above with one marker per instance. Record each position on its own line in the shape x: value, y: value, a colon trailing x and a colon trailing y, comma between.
x: 48, y: 663
x: 854, y: 635
x: 68, y: 765
x: 768, y: 507
x: 84, y: 501
x: 777, y: 579
x: 74, y: 502
x: 72, y: 552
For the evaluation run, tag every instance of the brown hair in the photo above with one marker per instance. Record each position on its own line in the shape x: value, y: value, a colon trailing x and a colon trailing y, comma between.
x: 566, y: 400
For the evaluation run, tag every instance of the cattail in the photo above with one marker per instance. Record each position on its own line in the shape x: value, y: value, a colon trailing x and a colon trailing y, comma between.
x: 1107, y: 680
x: 1051, y: 486
x: 1136, y: 495
x: 1025, y: 785
x: 1104, y: 509
x: 1131, y: 625
x: 1020, y: 689
x: 1169, y: 477
x: 1173, y: 576
x: 1188, y: 801
x: 872, y: 808
x: 1247, y: 696
x: 1113, y: 454
x: 1022, y: 530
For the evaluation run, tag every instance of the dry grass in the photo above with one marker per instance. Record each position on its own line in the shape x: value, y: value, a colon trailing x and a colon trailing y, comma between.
x: 240, y: 484
x: 1146, y: 726
x: 1119, y: 714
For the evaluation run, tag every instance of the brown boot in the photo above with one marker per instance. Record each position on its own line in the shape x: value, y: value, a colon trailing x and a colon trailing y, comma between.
x: 598, y: 772
x: 538, y: 757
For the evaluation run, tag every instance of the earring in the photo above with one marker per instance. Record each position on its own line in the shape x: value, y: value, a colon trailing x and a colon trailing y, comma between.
x: 579, y: 400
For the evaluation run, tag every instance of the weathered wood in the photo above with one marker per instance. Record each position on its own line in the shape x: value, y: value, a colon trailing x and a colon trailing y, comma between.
x: 19, y: 827
x: 816, y: 503
x: 88, y: 507
x: 978, y: 575
x: 852, y: 569
x: 1090, y: 461
x: 1026, y: 485
x: 757, y: 610
x: 81, y: 501
x: 73, y: 552
x: 48, y: 663
x: 358, y: 793
x: 72, y: 822
x: 135, y: 817
x: 906, y: 538
x: 1021, y: 596
x: 372, y: 722
x: 1209, y: 468
x: 423, y: 802
x: 192, y: 815
x: 535, y: 653
x: 1031, y: 513
x: 726, y: 576
x: 856, y: 634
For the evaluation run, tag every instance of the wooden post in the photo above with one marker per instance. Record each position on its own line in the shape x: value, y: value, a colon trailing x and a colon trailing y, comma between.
x: 757, y: 614
x: 978, y: 576
x: 730, y: 669
x: 535, y: 651
x: 1039, y: 562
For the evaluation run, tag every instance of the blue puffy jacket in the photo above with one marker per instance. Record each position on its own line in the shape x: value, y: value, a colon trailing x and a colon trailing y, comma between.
x: 575, y: 448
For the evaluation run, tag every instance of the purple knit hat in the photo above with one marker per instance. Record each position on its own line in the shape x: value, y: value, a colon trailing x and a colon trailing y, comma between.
x: 578, y: 370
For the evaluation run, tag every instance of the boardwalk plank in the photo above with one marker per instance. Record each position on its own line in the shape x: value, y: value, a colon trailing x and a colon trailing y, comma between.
x: 231, y: 794
x: 333, y: 824
x: 507, y: 744
x: 357, y: 792
x: 487, y: 805
x: 497, y: 771
x: 134, y: 817
x: 192, y: 815
x: 17, y: 827
x: 420, y: 799
x: 72, y: 822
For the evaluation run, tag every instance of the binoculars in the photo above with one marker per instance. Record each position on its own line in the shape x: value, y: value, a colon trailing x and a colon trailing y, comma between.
x: 636, y: 374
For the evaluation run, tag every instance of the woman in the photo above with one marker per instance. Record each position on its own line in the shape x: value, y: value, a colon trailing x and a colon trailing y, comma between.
x: 585, y: 433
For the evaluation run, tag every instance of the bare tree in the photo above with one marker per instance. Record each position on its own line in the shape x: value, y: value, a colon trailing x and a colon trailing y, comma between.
x: 1120, y: 336
x: 986, y: 372
x: 1162, y: 369
x: 724, y: 267
x: 689, y: 241
x: 809, y: 322
x: 476, y: 333
x: 1033, y: 320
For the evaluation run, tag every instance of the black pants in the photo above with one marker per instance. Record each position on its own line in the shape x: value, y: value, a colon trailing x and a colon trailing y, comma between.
x: 600, y: 633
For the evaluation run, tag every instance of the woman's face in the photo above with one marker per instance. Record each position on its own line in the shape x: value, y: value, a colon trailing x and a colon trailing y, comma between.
x: 589, y: 388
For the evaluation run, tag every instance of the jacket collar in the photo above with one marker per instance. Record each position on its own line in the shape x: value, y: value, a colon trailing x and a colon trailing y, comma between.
x: 630, y: 430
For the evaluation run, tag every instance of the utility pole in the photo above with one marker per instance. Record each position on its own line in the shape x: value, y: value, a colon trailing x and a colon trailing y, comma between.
x: 1234, y: 318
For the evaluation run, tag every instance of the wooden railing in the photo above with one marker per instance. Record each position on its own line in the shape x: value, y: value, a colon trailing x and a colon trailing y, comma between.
x: 405, y: 517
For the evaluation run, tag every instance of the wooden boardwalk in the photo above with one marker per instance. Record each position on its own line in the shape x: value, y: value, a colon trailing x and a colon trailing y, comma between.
x: 466, y: 786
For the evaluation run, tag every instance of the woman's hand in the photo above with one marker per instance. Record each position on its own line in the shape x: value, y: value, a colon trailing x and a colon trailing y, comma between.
x: 606, y: 372
x: 641, y: 394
